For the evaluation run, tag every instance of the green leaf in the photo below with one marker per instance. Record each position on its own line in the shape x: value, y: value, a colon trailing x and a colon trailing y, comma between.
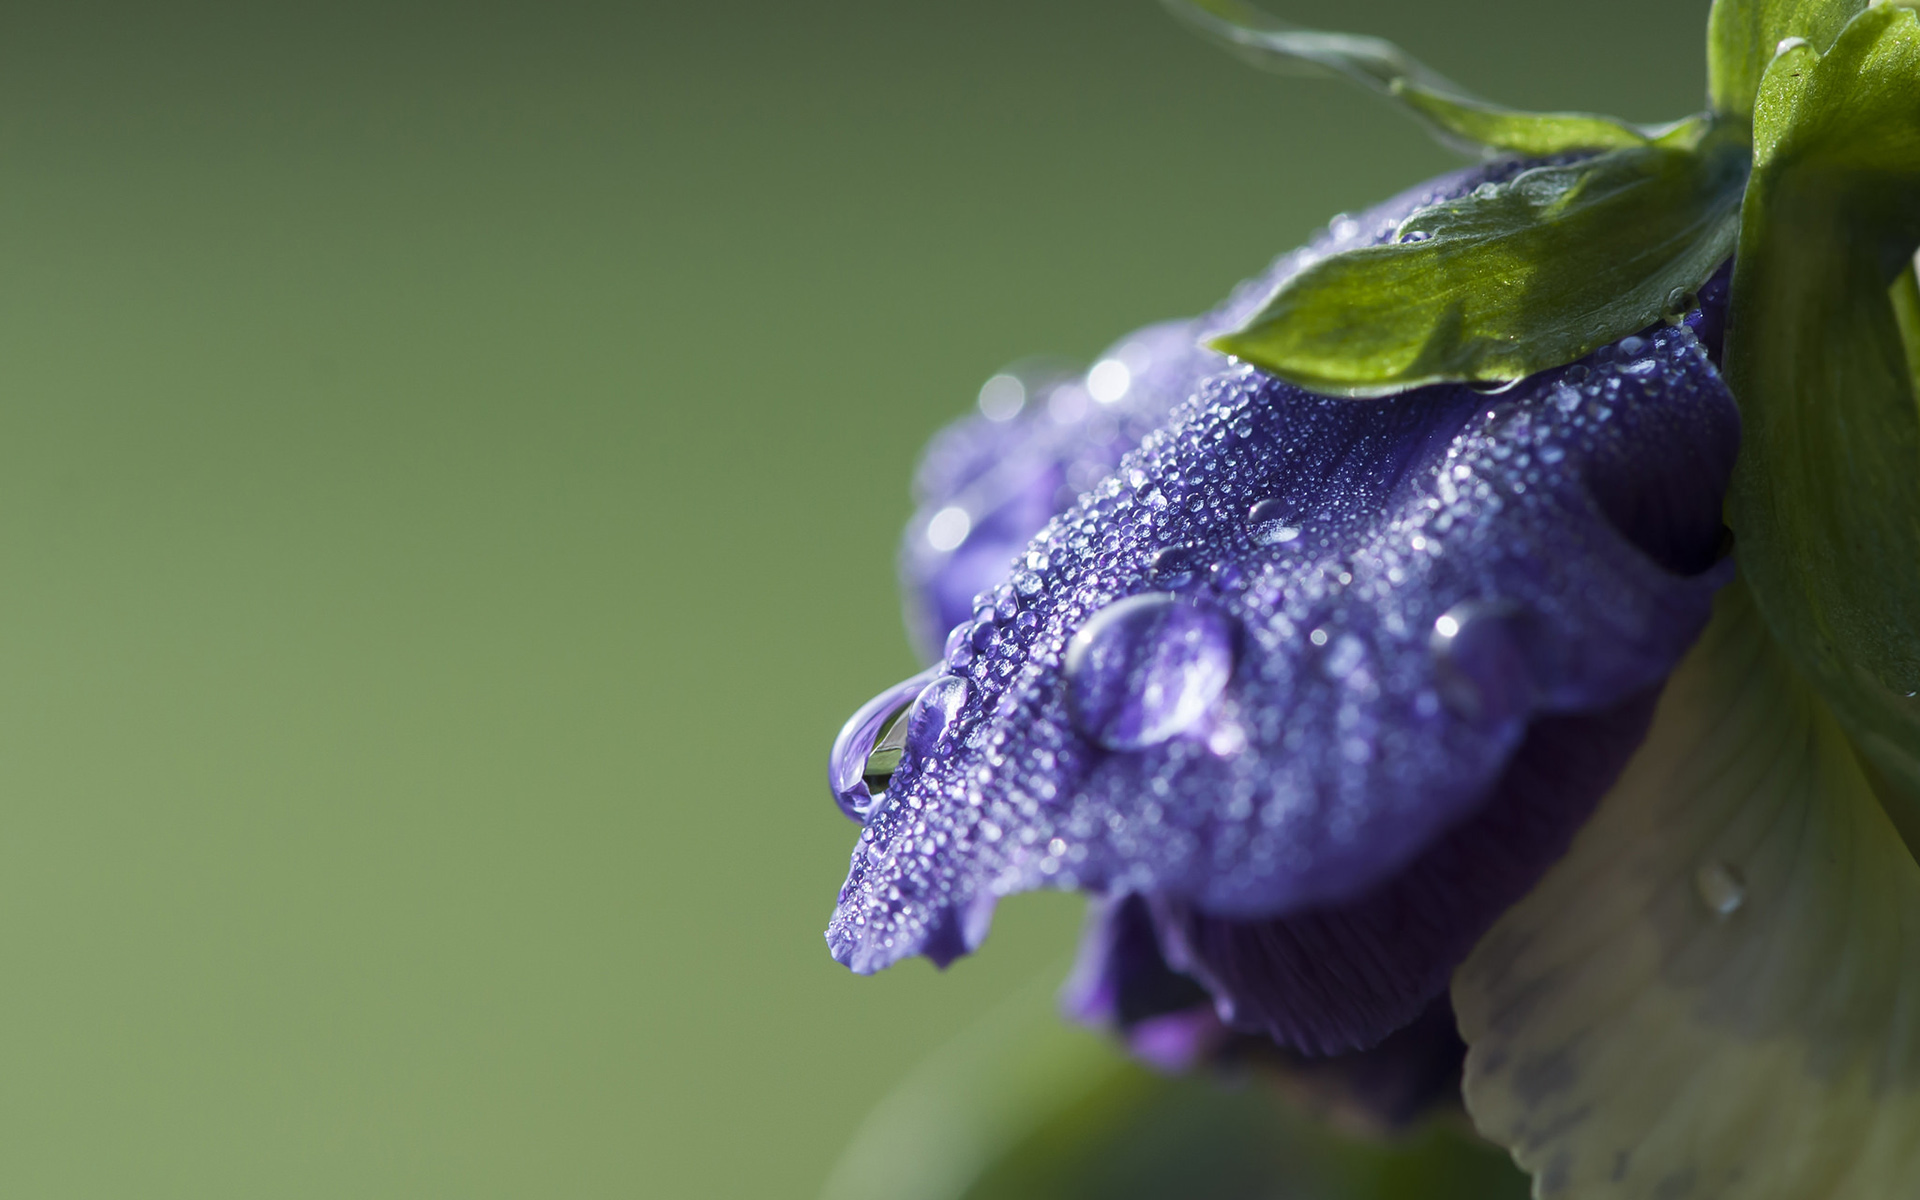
x: 1510, y: 280
x: 1716, y: 993
x: 1744, y: 35
x: 1825, y: 499
x: 1025, y: 1107
x: 1455, y: 115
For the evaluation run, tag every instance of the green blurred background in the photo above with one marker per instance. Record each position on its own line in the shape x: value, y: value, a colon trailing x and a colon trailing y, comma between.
x: 450, y: 462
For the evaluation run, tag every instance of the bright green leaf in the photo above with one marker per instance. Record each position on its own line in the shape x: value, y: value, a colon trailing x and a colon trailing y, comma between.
x: 1457, y: 117
x: 1510, y: 280
x: 1744, y: 35
x: 1716, y: 993
x: 1825, y: 499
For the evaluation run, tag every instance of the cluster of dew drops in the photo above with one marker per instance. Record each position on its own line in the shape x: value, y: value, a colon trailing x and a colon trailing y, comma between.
x: 1101, y: 608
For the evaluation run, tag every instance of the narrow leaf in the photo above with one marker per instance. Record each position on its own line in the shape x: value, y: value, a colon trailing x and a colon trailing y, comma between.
x: 1826, y: 495
x: 1510, y: 280
x: 1455, y: 116
x: 1744, y: 35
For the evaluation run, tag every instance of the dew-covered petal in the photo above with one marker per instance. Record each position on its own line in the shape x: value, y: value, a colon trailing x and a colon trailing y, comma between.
x: 1341, y: 978
x: 1716, y: 993
x: 988, y: 483
x: 1405, y: 586
x: 1048, y: 431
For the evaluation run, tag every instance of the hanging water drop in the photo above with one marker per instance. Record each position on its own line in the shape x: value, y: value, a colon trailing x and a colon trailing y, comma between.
x: 866, y: 753
x: 1147, y: 668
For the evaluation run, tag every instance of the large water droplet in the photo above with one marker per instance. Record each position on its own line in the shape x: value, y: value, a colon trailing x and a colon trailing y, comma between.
x: 859, y: 761
x: 1147, y: 668
x: 1720, y: 888
x: 1481, y: 672
x: 933, y: 714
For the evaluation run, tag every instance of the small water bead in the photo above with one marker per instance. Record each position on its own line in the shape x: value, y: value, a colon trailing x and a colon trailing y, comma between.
x: 959, y: 648
x: 1721, y: 888
x: 933, y: 715
x: 1173, y: 567
x: 860, y: 764
x: 1147, y: 668
x: 984, y: 637
x: 1005, y: 603
x: 1482, y: 672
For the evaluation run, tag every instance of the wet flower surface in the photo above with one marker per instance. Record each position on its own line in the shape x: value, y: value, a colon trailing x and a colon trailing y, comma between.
x: 1265, y: 666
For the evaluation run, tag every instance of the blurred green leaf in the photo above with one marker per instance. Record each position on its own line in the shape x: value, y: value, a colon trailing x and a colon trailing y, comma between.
x: 1826, y: 495
x: 1455, y: 115
x: 1744, y: 35
x: 1025, y: 1107
x: 1509, y: 280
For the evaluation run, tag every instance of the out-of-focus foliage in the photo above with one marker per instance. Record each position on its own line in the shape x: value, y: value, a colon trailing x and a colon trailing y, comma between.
x: 1023, y: 1107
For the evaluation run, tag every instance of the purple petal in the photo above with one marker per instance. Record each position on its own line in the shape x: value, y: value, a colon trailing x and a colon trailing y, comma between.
x: 1408, y: 584
x: 1123, y: 984
x: 1326, y: 981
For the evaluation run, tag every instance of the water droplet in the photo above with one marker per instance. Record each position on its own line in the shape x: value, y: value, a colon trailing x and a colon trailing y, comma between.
x: 1002, y: 397
x: 1679, y: 302
x: 1318, y: 637
x: 948, y: 528
x: 860, y: 764
x: 1269, y: 522
x: 1481, y: 672
x: 959, y: 648
x: 1146, y: 668
x: 933, y: 714
x: 1174, y: 566
x: 1630, y: 347
x: 1720, y: 888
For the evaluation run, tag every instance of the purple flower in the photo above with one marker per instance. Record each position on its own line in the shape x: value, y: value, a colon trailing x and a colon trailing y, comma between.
x: 1312, y: 688
x: 1383, y: 727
